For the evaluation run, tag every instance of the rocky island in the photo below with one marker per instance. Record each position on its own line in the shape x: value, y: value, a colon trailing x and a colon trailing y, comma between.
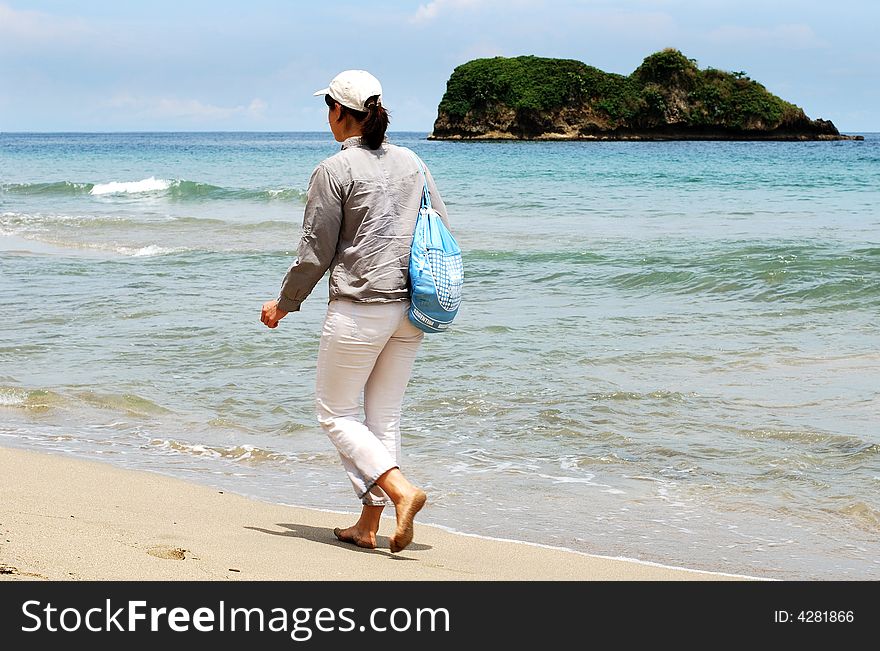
x: 668, y: 97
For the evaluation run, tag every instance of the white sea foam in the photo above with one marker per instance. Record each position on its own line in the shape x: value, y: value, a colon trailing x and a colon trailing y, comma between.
x: 147, y: 251
x: 244, y: 452
x: 12, y: 397
x: 151, y: 184
x: 15, y: 239
x: 14, y: 219
x: 573, y: 480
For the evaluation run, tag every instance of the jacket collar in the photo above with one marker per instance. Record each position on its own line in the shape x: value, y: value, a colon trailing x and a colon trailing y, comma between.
x: 354, y: 141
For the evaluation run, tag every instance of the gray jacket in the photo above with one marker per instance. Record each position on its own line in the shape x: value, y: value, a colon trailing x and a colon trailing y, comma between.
x: 358, y: 222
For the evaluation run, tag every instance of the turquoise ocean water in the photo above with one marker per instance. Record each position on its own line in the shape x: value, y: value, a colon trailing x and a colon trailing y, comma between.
x: 666, y: 351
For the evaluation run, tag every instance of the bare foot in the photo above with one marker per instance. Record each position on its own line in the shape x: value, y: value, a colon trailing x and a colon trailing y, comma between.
x: 355, y: 536
x: 406, y: 512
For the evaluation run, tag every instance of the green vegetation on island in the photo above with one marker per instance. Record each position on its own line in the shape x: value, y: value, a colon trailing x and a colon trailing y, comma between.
x: 667, y: 97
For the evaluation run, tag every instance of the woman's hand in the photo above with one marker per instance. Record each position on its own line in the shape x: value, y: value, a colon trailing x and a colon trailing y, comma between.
x: 271, y: 315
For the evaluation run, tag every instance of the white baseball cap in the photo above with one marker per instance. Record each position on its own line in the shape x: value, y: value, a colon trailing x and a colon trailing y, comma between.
x: 352, y: 88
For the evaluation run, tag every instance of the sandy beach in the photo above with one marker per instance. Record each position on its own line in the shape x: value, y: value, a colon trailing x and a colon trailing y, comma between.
x: 69, y: 519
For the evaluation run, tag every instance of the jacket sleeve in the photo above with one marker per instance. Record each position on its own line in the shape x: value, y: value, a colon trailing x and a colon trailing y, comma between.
x: 322, y: 222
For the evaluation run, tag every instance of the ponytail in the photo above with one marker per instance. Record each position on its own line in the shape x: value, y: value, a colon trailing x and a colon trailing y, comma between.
x: 374, y: 121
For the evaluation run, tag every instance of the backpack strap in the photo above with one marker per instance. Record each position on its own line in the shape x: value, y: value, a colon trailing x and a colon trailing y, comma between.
x: 426, y: 195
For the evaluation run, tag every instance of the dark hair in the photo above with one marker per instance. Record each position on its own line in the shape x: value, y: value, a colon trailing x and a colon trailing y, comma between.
x: 374, y: 121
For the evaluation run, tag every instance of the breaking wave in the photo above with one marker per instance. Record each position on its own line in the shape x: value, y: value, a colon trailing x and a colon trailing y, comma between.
x: 177, y: 189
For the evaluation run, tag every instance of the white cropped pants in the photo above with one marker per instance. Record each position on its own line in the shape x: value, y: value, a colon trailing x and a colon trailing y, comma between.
x: 367, y: 349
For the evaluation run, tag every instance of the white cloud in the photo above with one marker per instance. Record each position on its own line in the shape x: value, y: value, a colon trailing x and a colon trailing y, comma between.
x: 35, y: 28
x: 429, y: 11
x: 172, y: 108
x: 618, y: 25
x: 630, y: 23
x: 791, y: 36
x: 257, y: 108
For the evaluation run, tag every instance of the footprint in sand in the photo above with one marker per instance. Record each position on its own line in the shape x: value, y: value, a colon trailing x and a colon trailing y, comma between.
x: 9, y: 570
x: 167, y: 552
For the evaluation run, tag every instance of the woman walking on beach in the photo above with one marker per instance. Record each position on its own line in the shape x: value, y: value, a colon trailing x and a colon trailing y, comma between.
x: 358, y: 223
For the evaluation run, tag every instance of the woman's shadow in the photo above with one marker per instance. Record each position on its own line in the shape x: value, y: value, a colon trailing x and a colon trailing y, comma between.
x: 325, y: 536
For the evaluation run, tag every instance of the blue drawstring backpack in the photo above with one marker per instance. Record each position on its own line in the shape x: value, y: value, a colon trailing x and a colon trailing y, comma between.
x: 436, y: 274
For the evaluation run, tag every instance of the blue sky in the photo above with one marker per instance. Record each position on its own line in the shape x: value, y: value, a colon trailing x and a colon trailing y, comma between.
x: 222, y: 65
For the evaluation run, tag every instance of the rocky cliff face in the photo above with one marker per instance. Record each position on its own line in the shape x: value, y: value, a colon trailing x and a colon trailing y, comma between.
x: 667, y: 97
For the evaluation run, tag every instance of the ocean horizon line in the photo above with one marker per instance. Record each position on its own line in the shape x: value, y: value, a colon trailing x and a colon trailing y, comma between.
x: 123, y: 133
x: 246, y: 131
